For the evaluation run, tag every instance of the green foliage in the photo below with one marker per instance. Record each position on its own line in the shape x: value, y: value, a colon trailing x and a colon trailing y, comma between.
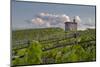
x: 34, y: 53
x: 72, y: 53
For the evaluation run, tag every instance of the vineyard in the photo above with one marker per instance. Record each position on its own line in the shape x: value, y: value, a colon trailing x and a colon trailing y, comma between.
x: 52, y: 45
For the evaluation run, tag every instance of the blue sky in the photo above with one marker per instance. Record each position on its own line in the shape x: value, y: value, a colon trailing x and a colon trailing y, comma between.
x: 40, y: 15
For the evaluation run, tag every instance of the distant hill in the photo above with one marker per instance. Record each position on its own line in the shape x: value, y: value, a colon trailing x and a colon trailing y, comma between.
x: 35, y: 33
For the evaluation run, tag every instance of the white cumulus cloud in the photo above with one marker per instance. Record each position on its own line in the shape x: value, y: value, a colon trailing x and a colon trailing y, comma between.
x: 77, y: 19
x: 38, y: 21
x: 45, y: 19
x: 50, y: 19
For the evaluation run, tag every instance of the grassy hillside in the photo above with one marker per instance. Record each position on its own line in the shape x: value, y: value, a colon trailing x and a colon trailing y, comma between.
x: 34, y: 33
x: 52, y: 37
